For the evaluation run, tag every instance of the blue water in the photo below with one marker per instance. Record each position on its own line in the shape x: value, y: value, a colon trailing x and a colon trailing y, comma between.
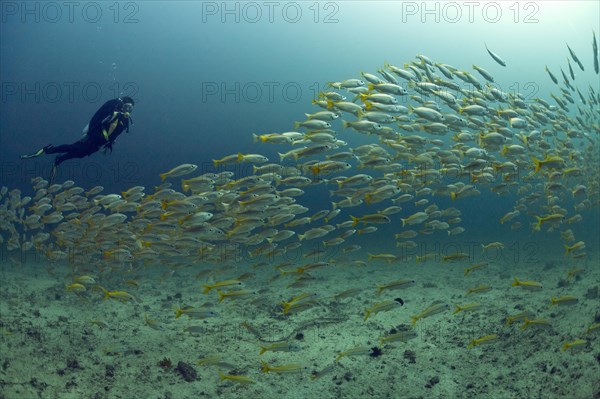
x: 206, y: 75
x: 204, y: 84
x: 170, y: 67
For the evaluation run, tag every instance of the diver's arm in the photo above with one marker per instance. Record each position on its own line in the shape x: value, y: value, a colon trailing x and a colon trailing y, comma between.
x: 115, y: 126
x: 105, y: 111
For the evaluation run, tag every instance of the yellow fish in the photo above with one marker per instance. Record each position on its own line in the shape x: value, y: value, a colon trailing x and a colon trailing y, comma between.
x: 241, y: 379
x: 555, y: 217
x: 304, y: 297
x: 376, y: 218
x: 118, y: 295
x: 233, y: 294
x: 479, y: 289
x: 85, y: 280
x: 550, y: 162
x: 435, y: 308
x: 575, y: 344
x: 455, y: 257
x: 382, y: 307
x: 593, y: 327
x: 577, y: 246
x: 475, y: 267
x: 224, y: 283
x: 531, y: 285
x: 488, y: 339
x: 284, y: 369
x: 564, y: 300
x: 466, y: 308
x: 539, y: 323
x: 75, y: 287
x: 180, y: 170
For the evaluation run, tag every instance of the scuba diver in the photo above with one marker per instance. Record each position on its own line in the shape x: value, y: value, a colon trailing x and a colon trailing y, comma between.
x: 102, y: 131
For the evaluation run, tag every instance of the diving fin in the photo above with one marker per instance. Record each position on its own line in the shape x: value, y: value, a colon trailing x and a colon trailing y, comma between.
x: 37, y: 153
x: 52, y: 174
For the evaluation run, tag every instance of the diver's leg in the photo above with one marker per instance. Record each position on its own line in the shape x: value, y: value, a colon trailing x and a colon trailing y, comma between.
x: 57, y: 161
x: 79, y: 149
x: 74, y: 148
x: 62, y: 158
x: 49, y: 149
x: 59, y: 149
x: 52, y: 173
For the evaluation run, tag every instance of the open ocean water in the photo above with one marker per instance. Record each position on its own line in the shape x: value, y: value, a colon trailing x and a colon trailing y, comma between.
x: 336, y: 199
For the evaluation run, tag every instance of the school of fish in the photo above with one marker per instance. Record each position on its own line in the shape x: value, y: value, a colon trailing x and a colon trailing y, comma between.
x: 426, y: 123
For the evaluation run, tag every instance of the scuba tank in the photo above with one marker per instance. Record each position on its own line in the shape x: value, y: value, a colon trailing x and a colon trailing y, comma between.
x: 85, y: 130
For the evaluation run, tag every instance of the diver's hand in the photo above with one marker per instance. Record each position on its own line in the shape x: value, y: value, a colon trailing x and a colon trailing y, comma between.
x: 108, y: 146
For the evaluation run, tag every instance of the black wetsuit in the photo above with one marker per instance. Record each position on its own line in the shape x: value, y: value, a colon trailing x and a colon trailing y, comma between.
x: 108, y: 115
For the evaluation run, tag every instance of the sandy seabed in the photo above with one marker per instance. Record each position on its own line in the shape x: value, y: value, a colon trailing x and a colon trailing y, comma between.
x: 49, y: 348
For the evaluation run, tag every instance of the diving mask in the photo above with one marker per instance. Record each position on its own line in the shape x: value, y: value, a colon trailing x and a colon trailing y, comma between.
x: 127, y: 108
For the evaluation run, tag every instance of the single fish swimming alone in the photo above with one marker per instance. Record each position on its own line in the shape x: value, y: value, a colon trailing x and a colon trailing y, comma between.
x: 595, y: 49
x: 495, y: 56
x: 571, y: 70
x: 551, y: 75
